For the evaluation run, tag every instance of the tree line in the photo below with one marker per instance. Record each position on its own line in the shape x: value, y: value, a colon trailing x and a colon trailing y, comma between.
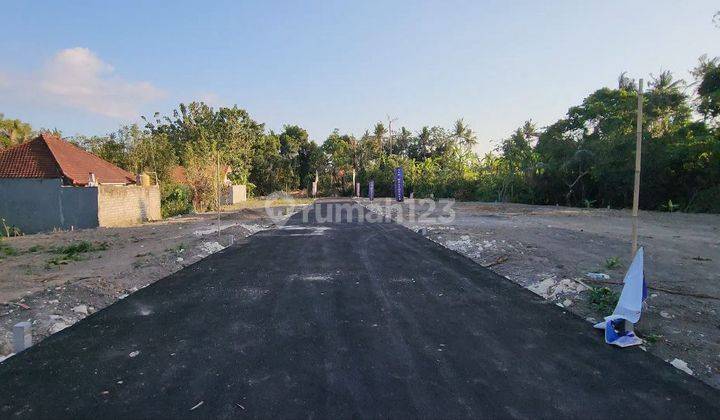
x: 584, y: 159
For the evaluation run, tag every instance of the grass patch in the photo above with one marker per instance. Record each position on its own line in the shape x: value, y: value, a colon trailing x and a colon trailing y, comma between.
x: 612, y: 263
x: 602, y: 299
x: 36, y: 248
x: 74, y: 251
x: 6, y: 250
x: 180, y: 248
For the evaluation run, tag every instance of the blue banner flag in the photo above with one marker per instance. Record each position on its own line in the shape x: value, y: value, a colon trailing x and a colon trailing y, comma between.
x: 399, y: 184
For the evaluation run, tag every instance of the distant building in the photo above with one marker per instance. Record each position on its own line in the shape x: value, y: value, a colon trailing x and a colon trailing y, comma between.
x: 48, y: 183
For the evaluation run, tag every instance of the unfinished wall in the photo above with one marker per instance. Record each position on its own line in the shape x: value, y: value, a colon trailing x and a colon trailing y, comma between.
x: 38, y: 205
x: 234, y: 194
x: 128, y: 205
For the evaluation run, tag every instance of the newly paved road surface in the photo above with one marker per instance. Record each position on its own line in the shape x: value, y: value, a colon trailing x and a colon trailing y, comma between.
x: 333, y: 320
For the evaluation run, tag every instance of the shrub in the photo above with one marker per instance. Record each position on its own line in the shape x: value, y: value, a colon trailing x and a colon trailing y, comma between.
x: 706, y: 201
x: 175, y: 199
x: 9, y: 231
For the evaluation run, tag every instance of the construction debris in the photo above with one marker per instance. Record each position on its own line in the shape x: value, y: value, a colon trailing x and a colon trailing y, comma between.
x: 81, y: 309
x: 551, y: 288
x: 682, y: 365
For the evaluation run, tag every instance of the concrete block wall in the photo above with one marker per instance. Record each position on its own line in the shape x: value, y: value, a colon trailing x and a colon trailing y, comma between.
x: 128, y: 205
x: 234, y: 194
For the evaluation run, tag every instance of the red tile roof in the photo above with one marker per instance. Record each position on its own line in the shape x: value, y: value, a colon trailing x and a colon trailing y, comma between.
x: 29, y: 160
x: 48, y: 156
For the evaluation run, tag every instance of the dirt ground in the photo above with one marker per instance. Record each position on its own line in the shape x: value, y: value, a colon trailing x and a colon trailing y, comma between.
x: 550, y: 250
x: 40, y: 285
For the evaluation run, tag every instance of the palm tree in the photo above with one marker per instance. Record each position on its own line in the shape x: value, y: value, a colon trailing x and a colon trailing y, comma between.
x: 464, y: 134
x: 424, y: 141
x: 380, y: 132
x: 664, y: 82
x: 626, y: 83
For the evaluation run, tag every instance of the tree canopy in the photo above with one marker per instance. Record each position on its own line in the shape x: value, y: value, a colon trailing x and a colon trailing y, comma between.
x: 585, y: 158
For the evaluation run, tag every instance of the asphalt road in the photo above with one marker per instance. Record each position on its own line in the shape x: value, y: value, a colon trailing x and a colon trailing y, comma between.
x: 333, y: 320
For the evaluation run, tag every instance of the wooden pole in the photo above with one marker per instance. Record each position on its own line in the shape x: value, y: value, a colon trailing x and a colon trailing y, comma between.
x: 217, y: 188
x: 638, y: 159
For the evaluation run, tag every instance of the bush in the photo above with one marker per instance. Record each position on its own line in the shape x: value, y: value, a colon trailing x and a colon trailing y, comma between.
x: 175, y: 199
x: 250, y: 189
x: 706, y: 201
x: 9, y: 231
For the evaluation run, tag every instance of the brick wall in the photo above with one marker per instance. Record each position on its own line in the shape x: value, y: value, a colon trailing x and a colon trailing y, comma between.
x: 128, y: 205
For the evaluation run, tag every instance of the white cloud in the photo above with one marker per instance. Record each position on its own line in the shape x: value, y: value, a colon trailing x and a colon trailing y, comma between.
x: 77, y: 78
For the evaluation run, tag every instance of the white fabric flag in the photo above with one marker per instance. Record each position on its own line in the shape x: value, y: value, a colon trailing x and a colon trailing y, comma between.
x: 634, y: 291
x: 629, y: 306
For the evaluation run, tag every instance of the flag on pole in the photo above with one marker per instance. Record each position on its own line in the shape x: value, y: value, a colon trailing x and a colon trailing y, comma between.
x: 399, y: 184
x: 618, y: 326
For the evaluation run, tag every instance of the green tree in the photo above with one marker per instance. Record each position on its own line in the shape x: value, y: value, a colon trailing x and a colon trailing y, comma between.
x: 203, y: 140
x: 13, y: 132
x: 463, y: 134
x: 707, y: 74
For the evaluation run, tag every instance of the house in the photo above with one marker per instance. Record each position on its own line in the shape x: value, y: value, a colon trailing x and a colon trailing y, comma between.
x: 49, y: 183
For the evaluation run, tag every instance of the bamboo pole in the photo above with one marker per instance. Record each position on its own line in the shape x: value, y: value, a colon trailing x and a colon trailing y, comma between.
x: 217, y: 188
x: 638, y: 159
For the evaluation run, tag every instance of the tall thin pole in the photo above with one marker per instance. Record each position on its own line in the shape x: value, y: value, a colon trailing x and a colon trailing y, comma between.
x: 638, y: 159
x: 217, y: 187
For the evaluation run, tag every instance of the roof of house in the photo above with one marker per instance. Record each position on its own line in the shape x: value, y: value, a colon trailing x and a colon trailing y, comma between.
x: 48, y: 156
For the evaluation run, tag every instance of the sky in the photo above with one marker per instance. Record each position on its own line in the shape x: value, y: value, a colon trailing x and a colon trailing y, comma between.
x: 87, y: 67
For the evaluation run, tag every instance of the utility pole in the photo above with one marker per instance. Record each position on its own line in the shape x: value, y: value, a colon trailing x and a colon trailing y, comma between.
x: 353, y: 142
x: 638, y: 159
x: 390, y: 137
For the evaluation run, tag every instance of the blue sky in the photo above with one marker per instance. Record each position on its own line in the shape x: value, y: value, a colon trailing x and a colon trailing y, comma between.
x: 87, y: 67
